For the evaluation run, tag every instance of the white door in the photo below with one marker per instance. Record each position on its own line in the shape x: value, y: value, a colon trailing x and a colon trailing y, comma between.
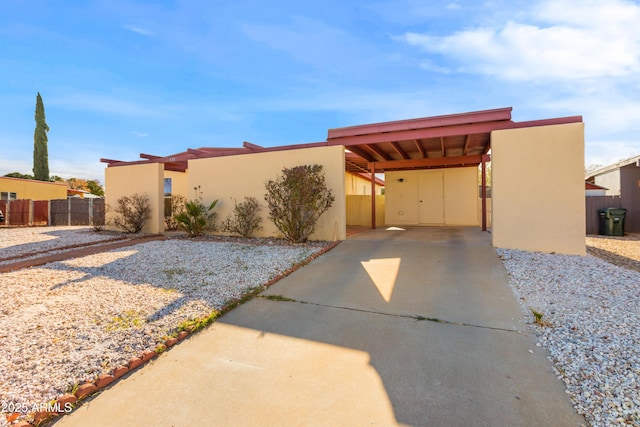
x: 431, y: 197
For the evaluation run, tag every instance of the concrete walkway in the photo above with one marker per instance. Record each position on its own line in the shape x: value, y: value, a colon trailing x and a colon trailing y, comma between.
x: 415, y: 327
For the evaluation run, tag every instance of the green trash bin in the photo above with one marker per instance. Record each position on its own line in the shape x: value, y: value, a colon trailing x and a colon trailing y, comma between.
x: 612, y: 221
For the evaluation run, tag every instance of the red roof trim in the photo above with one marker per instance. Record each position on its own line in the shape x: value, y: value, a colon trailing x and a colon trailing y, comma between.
x: 500, y: 114
x: 591, y: 186
x: 547, y: 122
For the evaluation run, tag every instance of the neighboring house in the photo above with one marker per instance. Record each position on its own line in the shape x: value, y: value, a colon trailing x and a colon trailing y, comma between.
x: 592, y: 190
x: 359, y: 184
x: 81, y: 194
x: 622, y: 179
x: 430, y: 167
x: 18, y: 188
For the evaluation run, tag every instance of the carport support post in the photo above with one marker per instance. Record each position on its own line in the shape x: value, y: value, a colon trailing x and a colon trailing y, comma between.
x: 373, y: 195
x: 485, y: 158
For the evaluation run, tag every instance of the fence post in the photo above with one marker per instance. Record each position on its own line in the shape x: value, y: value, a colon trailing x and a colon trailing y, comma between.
x: 49, y: 213
x: 68, y: 211
x: 31, y: 213
x: 90, y: 211
x: 7, y: 221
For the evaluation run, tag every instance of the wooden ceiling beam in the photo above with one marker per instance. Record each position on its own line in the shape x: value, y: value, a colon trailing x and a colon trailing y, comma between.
x: 420, y: 149
x: 356, y: 166
x: 442, y: 146
x: 360, y: 152
x: 376, y: 150
x: 466, y: 144
x: 399, y: 150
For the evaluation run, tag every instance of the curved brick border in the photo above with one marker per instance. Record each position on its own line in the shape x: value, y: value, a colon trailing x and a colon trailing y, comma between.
x: 83, y: 391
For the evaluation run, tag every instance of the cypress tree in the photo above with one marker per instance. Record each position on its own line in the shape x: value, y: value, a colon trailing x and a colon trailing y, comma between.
x: 40, y: 153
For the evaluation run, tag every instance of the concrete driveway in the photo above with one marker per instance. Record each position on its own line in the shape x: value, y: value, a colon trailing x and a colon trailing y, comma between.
x: 416, y: 327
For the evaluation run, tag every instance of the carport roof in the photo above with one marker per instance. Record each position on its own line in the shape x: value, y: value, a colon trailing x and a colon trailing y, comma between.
x: 453, y: 140
x: 442, y: 141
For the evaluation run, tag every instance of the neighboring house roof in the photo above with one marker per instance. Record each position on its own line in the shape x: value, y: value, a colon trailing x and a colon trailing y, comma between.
x: 81, y: 193
x: 613, y: 166
x: 591, y: 186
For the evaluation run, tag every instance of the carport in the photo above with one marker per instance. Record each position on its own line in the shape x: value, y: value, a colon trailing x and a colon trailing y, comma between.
x: 448, y: 142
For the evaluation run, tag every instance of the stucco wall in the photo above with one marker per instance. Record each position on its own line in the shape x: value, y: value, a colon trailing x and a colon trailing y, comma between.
x: 459, y: 196
x: 234, y: 177
x: 611, y: 181
x: 142, y: 179
x: 179, y: 183
x: 538, y: 188
x: 34, y: 190
x: 356, y: 185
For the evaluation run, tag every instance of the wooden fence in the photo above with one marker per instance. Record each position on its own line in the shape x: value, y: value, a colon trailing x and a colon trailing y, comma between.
x: 53, y: 212
x: 594, y: 204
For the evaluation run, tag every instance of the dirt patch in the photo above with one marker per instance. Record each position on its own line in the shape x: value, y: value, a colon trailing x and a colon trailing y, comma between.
x: 623, y: 251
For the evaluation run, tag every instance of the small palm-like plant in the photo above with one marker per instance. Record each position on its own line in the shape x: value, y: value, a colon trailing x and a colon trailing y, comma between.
x: 196, y: 217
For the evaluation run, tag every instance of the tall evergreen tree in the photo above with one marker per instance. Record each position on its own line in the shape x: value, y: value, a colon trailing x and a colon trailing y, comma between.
x: 40, y: 152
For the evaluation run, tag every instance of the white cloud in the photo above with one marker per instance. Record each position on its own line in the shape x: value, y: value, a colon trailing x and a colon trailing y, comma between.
x: 138, y: 30
x: 559, y: 40
x: 140, y: 134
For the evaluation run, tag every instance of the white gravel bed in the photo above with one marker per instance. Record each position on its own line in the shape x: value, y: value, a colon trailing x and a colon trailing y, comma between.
x: 23, y: 241
x: 593, y: 308
x: 70, y: 321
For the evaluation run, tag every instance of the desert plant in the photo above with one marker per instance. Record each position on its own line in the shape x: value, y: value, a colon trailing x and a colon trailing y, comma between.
x: 196, y: 217
x: 132, y: 212
x: 296, y: 199
x: 172, y: 207
x: 245, y: 219
x: 537, y: 318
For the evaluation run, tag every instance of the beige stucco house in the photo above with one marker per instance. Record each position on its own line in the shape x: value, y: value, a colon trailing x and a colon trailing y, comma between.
x: 430, y: 165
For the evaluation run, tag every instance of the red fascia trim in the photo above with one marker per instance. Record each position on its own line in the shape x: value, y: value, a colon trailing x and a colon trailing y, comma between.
x: 250, y: 146
x: 500, y: 114
x: 424, y: 133
x: 547, y: 122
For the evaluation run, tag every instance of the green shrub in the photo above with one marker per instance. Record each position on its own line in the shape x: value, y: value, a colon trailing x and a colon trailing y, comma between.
x: 296, y: 199
x: 132, y: 212
x: 196, y: 217
x: 172, y: 207
x: 245, y: 219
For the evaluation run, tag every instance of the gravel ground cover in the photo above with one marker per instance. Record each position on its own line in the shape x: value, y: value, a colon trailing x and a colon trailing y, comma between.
x: 73, y: 320
x: 23, y: 242
x: 592, y: 311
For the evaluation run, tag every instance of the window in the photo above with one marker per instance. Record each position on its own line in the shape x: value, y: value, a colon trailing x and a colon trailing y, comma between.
x: 167, y: 187
x: 7, y: 195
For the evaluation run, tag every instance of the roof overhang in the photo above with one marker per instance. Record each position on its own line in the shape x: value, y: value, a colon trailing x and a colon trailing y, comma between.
x: 456, y: 140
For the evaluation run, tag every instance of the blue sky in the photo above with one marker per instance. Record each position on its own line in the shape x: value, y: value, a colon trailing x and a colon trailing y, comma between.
x: 121, y: 77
